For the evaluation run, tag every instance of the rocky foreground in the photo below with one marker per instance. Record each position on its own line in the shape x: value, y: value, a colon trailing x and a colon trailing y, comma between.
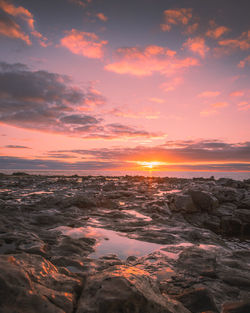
x: 64, y: 245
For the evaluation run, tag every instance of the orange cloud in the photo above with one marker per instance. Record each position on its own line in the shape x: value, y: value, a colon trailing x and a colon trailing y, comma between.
x: 145, y: 62
x: 216, y: 31
x: 147, y: 113
x: 219, y: 104
x: 10, y: 28
x: 243, y: 106
x: 237, y: 94
x: 209, y: 94
x: 102, y: 17
x: 197, y: 45
x: 244, y: 62
x: 82, y: 43
x: 157, y: 100
x: 176, y: 17
x: 242, y: 43
x: 80, y: 2
x: 13, y: 30
x: 192, y: 28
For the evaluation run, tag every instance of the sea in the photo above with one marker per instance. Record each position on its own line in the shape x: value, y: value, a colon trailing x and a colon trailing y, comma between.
x: 179, y: 174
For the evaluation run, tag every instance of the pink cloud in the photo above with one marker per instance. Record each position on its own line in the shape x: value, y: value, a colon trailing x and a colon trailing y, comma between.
x: 147, y: 113
x: 81, y: 3
x: 192, y: 28
x: 216, y: 31
x: 243, y: 106
x: 157, y: 100
x: 83, y: 43
x: 144, y: 62
x: 102, y: 17
x: 197, y: 45
x: 208, y: 112
x: 237, y: 94
x: 242, y: 42
x: 172, y: 84
x: 209, y: 94
x: 219, y: 104
x: 244, y: 62
x: 176, y: 17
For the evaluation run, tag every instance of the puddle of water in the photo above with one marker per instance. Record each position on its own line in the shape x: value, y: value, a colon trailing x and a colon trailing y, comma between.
x: 36, y: 193
x: 138, y: 215
x: 110, y: 242
x: 207, y: 247
x: 162, y: 192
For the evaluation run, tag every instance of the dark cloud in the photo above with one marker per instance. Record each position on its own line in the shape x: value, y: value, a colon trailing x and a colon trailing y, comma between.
x: 7, y: 162
x: 17, y: 147
x: 80, y: 120
x: 48, y: 102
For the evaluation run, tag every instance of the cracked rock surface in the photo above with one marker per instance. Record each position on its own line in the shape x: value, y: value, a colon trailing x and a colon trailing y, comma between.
x: 124, y: 245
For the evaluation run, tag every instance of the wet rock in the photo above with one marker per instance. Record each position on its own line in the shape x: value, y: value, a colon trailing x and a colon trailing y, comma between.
x: 198, y: 261
x: 127, y: 290
x: 33, y: 284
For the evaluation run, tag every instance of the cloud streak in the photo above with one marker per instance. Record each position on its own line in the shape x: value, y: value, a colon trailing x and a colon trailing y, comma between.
x: 191, y: 155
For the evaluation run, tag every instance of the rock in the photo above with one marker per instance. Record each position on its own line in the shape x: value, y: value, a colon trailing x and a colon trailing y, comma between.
x: 236, y: 307
x: 245, y: 203
x: 231, y: 226
x: 183, y: 203
x: 198, y: 300
x: 125, y: 289
x: 33, y: 284
x: 203, y: 200
x: 195, y: 261
x: 243, y: 215
x: 226, y: 194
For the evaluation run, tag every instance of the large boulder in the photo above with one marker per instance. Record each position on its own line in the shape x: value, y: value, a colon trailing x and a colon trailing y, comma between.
x: 182, y: 203
x: 125, y: 289
x: 227, y: 194
x: 30, y: 283
x: 198, y: 300
x: 203, y: 200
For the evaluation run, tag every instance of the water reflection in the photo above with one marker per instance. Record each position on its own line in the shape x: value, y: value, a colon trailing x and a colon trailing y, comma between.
x: 109, y: 241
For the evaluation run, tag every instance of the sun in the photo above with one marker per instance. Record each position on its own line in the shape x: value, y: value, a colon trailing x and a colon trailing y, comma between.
x: 149, y: 165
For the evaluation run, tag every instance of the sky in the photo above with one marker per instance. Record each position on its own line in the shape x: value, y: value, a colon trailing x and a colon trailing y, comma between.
x: 125, y: 85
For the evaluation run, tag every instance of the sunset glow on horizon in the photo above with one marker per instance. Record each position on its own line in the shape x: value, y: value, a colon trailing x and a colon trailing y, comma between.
x: 125, y: 85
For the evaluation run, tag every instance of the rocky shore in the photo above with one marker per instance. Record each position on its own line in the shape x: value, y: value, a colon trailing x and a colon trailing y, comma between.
x: 124, y: 245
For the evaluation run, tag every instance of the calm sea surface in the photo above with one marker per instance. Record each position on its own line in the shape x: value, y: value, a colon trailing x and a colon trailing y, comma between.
x: 189, y: 174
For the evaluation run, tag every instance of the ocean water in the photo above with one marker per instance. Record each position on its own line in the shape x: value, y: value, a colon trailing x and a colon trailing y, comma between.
x: 179, y: 174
